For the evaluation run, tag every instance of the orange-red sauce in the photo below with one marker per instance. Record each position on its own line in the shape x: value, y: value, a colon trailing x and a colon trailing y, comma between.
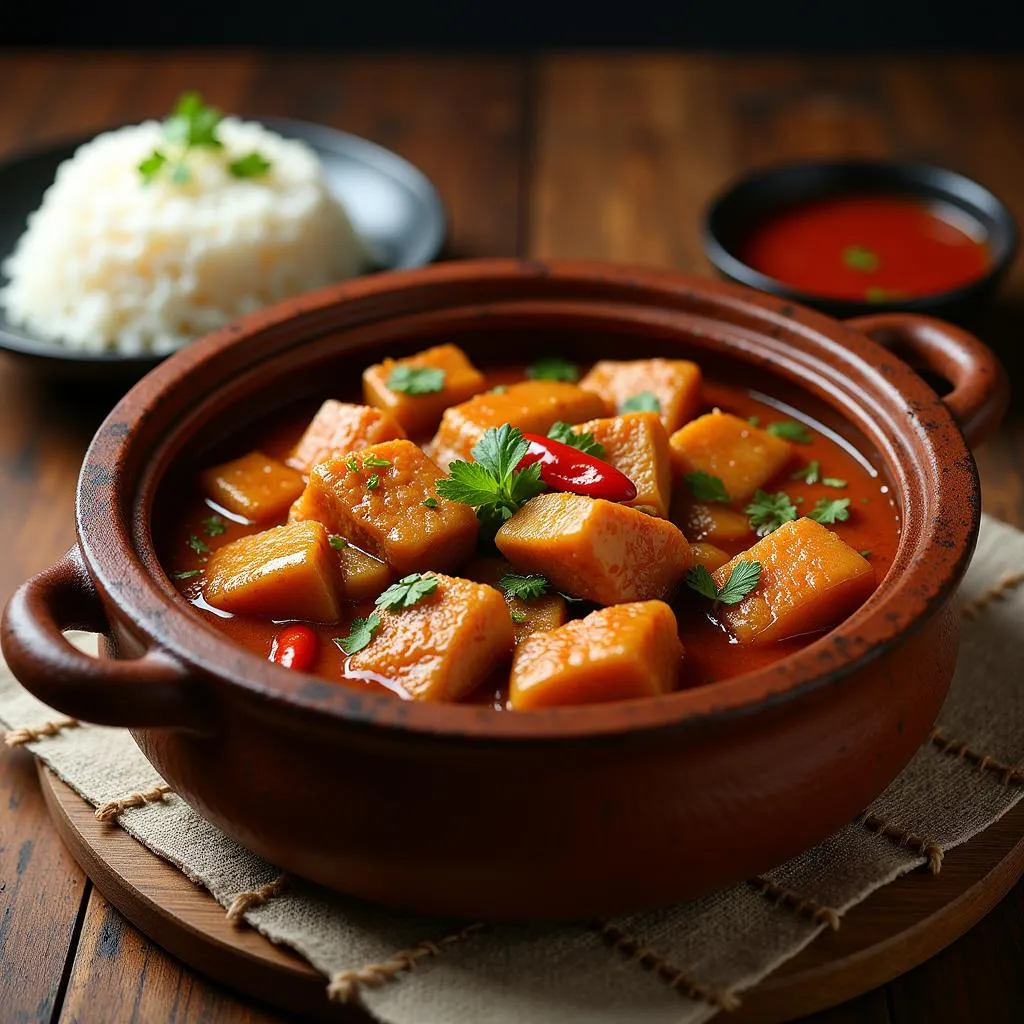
x: 868, y: 248
x: 710, y: 653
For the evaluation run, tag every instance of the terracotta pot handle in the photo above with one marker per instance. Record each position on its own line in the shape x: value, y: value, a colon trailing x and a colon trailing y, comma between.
x: 143, y: 692
x: 981, y: 389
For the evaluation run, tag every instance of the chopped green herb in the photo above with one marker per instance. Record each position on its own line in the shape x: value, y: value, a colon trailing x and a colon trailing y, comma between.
x: 252, y: 165
x: 214, y: 526
x: 526, y: 588
x: 491, y: 483
x: 859, y: 257
x: 741, y: 582
x: 865, y: 553
x: 407, y: 591
x: 188, y: 574
x: 361, y: 632
x: 352, y: 465
x: 553, y: 368
x: 830, y: 510
x: 416, y: 380
x: 809, y: 473
x: 430, y: 502
x: 586, y: 442
x: 338, y: 542
x: 151, y: 166
x: 754, y: 421
x: 646, y: 401
x: 517, y: 617
x: 790, y: 430
x: 705, y: 487
x: 198, y: 546
x: 876, y: 294
x: 833, y: 481
x: 373, y: 460
x: 768, y: 512
x: 373, y: 482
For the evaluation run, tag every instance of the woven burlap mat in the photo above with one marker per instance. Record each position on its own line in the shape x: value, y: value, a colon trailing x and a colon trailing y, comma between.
x: 682, y: 964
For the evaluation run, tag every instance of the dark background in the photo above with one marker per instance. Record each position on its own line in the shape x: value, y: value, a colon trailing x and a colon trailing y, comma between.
x: 779, y: 25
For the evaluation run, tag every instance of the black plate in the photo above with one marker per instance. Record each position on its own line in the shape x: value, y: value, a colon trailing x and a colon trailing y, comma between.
x: 750, y: 200
x: 391, y: 204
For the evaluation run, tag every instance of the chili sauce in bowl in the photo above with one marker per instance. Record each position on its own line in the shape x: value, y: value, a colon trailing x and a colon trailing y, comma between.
x: 856, y: 237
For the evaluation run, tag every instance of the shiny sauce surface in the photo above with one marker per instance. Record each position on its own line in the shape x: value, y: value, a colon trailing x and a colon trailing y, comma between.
x: 869, y: 248
x: 710, y: 654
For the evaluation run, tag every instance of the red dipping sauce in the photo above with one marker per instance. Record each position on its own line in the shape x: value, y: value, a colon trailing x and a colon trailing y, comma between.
x: 869, y: 248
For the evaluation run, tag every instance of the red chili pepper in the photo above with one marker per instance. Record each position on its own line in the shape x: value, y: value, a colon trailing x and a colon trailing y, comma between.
x: 565, y: 468
x: 295, y: 647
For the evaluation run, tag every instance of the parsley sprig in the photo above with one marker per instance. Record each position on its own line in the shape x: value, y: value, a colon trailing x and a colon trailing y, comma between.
x: 526, y: 588
x: 586, y: 442
x: 416, y: 380
x: 768, y: 512
x: 645, y: 401
x: 705, y: 487
x: 491, y: 483
x: 360, y: 633
x: 553, y: 368
x: 740, y: 583
x: 830, y: 510
x: 193, y: 126
x: 409, y: 590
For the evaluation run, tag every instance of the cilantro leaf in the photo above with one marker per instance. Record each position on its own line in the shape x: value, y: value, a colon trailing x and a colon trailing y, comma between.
x: 361, y: 632
x: 526, y: 588
x: 699, y: 579
x: 859, y: 257
x: 768, y: 512
x: 645, y: 401
x: 337, y: 542
x: 553, y: 368
x: 810, y: 473
x: 517, y: 617
x: 586, y: 442
x: 833, y: 481
x: 252, y: 165
x: 407, y: 591
x: 430, y: 502
x: 491, y: 483
x: 705, y: 487
x: 151, y: 166
x: 188, y: 574
x: 754, y: 421
x: 198, y: 546
x: 352, y: 464
x: 830, y: 510
x: 193, y: 123
x: 865, y: 553
x: 416, y: 380
x: 790, y: 430
x: 741, y: 581
x: 214, y: 526
x: 373, y: 482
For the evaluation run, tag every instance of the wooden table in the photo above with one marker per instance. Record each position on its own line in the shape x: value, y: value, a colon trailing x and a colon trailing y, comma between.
x: 608, y: 157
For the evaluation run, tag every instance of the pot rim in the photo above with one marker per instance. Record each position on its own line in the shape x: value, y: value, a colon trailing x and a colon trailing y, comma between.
x: 117, y: 546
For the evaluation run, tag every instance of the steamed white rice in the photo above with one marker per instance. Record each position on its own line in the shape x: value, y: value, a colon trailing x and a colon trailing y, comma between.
x: 109, y: 262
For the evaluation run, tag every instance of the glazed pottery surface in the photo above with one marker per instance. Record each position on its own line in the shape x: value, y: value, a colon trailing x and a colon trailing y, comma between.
x: 462, y: 810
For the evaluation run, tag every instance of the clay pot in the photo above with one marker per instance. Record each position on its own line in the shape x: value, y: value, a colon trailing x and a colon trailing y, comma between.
x: 564, y: 812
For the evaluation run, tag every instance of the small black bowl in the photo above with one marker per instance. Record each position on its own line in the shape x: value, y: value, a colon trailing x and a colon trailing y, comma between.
x: 756, y: 197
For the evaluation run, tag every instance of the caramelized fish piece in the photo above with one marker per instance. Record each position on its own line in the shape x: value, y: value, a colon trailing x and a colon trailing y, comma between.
x: 742, y: 456
x: 675, y: 383
x: 339, y: 428
x: 636, y: 444
x: 419, y: 413
x: 255, y: 486
x: 533, y: 406
x: 596, y: 549
x: 287, y: 572
x: 629, y: 650
x: 534, y: 616
x: 378, y: 505
x: 810, y: 580
x: 442, y: 647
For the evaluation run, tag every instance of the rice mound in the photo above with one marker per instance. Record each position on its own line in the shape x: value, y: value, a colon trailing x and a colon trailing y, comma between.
x: 109, y: 262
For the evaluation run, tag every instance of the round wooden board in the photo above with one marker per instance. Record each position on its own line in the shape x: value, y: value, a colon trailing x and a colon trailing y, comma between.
x: 893, y: 930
